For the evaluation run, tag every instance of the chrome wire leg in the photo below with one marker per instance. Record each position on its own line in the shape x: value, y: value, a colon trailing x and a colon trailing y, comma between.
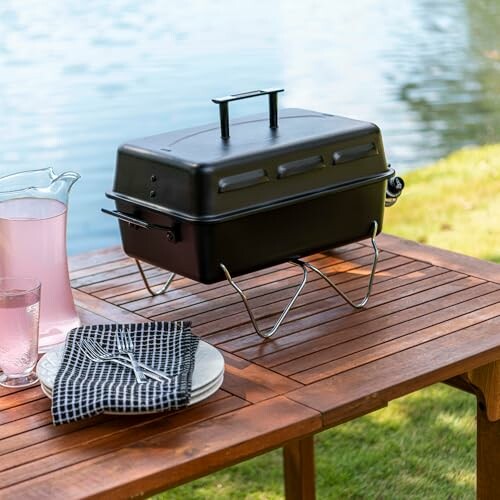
x: 364, y: 301
x: 272, y: 331
x: 162, y: 290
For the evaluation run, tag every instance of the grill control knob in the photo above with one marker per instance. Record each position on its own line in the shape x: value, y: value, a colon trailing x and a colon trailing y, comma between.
x: 394, y: 186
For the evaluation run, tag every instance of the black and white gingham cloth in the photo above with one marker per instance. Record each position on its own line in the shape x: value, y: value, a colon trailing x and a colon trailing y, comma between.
x: 84, y: 388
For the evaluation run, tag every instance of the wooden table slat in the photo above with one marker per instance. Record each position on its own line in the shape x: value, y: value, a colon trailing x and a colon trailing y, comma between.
x: 143, y: 466
x: 252, y: 382
x: 103, y: 438
x: 15, y: 413
x: 22, y: 427
x: 268, y: 294
x: 438, y: 257
x: 43, y: 433
x: 288, y: 277
x: 392, y: 300
x: 105, y: 309
x: 88, y: 317
x: 396, y: 344
x: 233, y: 327
x: 10, y: 398
x: 403, y: 372
x: 342, y: 342
x: 134, y: 294
x: 94, y: 258
x: 155, y: 305
x: 95, y: 278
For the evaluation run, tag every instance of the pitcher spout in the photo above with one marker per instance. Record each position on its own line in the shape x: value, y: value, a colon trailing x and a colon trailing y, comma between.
x: 67, y: 179
x: 62, y: 184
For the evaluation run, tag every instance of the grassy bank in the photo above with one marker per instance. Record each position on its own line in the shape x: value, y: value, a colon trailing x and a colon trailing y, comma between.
x: 421, y: 446
x: 453, y: 204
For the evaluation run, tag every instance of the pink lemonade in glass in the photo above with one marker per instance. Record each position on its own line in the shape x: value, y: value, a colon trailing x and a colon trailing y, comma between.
x: 33, y: 239
x: 19, y: 313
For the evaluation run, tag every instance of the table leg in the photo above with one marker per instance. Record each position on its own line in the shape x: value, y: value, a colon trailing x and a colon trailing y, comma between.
x: 487, y: 380
x: 298, y: 462
x: 488, y: 456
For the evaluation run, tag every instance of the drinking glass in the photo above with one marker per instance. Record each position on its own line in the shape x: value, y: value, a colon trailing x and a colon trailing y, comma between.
x: 19, y: 315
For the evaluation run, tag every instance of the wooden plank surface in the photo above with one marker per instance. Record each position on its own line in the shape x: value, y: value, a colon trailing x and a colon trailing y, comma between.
x: 437, y: 256
x: 69, y: 448
x: 346, y: 339
x: 402, y: 372
x: 95, y: 258
x: 145, y: 464
x: 433, y: 315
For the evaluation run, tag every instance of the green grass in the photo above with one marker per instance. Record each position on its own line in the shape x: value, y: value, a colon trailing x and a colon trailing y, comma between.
x: 454, y: 204
x: 423, y: 445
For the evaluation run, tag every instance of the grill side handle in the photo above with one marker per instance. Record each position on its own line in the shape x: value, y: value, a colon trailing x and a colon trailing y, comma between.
x: 223, y: 103
x: 170, y: 232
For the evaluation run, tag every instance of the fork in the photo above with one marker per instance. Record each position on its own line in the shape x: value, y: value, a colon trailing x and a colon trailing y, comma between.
x: 125, y: 346
x: 92, y: 355
x: 99, y: 350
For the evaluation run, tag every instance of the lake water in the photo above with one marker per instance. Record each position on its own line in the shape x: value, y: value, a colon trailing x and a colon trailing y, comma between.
x: 79, y: 78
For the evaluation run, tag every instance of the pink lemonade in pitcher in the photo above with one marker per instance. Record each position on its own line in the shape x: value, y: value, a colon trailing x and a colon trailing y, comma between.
x: 33, y: 243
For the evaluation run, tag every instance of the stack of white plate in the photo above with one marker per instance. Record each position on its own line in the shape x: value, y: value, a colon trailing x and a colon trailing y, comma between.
x: 208, y: 373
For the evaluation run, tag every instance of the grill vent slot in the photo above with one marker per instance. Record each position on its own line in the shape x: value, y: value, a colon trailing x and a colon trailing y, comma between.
x: 300, y: 166
x: 354, y: 153
x: 244, y: 180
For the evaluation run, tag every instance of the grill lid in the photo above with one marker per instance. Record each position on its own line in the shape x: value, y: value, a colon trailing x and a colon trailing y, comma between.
x: 212, y: 170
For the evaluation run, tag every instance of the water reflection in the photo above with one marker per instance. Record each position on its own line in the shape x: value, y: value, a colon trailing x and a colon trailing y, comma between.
x: 450, y: 83
x: 78, y: 78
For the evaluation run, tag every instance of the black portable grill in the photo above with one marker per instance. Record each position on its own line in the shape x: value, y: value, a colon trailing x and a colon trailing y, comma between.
x: 209, y: 204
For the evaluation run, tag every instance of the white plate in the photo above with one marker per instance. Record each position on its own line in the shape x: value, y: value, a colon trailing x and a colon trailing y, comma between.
x: 195, y: 397
x: 194, y: 394
x: 208, y: 367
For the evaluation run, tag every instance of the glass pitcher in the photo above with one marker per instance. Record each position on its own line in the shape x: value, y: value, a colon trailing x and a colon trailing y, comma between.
x: 33, y: 208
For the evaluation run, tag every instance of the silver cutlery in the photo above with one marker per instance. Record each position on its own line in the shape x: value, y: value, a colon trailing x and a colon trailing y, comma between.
x: 99, y: 350
x: 125, y: 346
x: 92, y: 355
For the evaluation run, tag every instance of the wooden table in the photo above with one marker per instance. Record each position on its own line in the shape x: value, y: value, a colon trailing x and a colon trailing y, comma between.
x: 434, y: 316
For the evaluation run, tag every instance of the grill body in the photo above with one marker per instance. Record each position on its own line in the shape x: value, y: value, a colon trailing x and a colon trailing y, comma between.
x: 190, y: 200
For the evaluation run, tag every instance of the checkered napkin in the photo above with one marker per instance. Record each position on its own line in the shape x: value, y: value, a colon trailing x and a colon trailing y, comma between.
x: 84, y: 388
